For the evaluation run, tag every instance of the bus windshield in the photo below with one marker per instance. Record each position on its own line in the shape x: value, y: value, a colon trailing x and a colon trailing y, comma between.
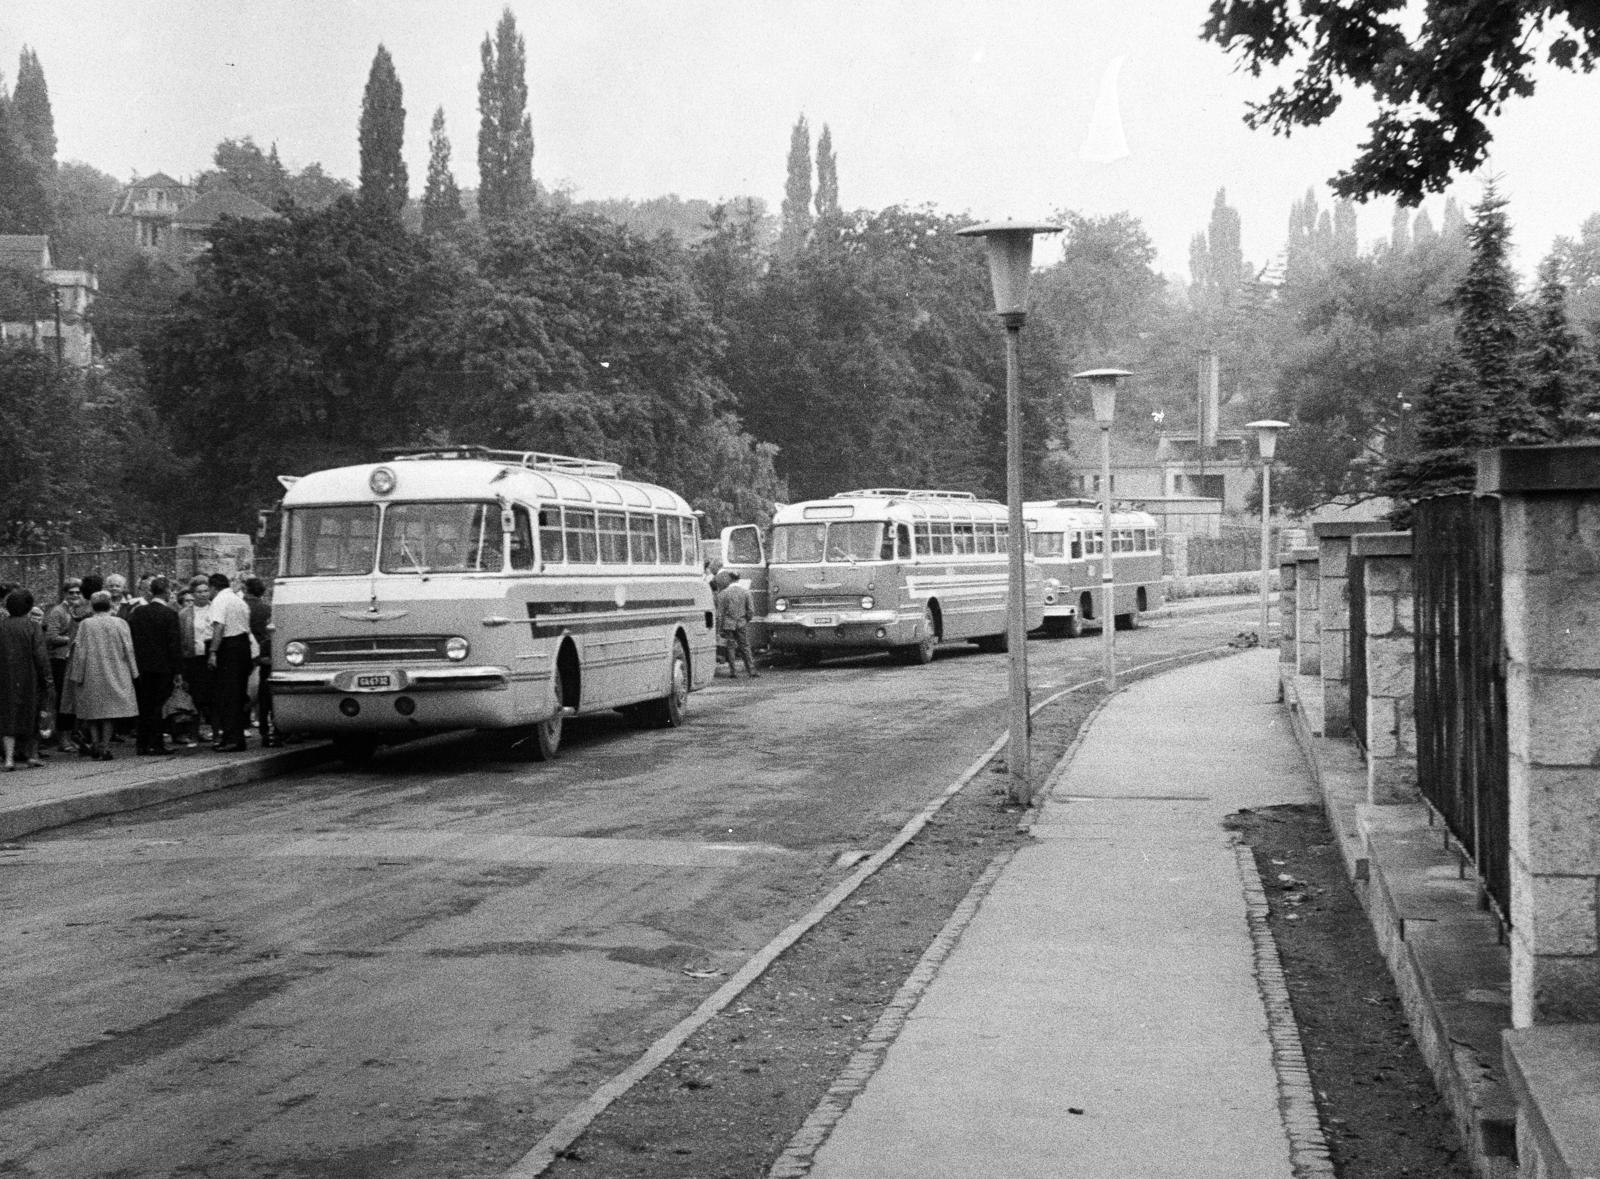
x: 332, y: 540
x: 836, y: 542
x: 453, y: 537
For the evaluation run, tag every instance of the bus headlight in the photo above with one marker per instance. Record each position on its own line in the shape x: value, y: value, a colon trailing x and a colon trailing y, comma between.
x: 294, y: 654
x: 780, y: 605
x: 456, y: 648
x: 866, y: 601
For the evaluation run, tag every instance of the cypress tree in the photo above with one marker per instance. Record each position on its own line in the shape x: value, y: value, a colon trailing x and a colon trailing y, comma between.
x: 505, y: 129
x: 35, y: 123
x: 797, y: 193
x: 441, y: 199
x: 1560, y: 390
x: 24, y: 200
x: 827, y: 177
x: 383, y: 127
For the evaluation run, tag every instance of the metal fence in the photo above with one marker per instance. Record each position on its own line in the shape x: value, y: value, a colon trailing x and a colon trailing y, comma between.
x: 1236, y: 550
x: 1460, y: 685
x: 43, y: 573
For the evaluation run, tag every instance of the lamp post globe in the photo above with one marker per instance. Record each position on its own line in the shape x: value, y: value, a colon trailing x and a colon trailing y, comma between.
x: 1010, y: 251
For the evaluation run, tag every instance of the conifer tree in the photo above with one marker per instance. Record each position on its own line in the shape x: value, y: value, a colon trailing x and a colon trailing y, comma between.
x: 797, y: 193
x: 383, y: 126
x: 441, y: 199
x: 25, y: 205
x: 1562, y: 387
x: 30, y: 105
x: 505, y: 129
x: 1478, y: 398
x: 827, y: 177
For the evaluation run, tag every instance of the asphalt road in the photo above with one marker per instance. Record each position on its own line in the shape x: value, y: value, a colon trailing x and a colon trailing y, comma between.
x: 419, y: 967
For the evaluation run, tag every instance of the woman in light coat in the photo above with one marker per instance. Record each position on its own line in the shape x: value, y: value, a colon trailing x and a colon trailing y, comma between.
x: 102, y: 671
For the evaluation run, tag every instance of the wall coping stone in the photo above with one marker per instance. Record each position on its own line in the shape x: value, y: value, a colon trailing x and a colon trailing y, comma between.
x: 1340, y: 529
x: 1381, y: 544
x: 1304, y: 554
x: 1554, y: 1074
x: 1571, y: 466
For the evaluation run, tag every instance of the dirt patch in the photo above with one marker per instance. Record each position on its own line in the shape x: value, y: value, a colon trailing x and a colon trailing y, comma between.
x: 1381, y: 1114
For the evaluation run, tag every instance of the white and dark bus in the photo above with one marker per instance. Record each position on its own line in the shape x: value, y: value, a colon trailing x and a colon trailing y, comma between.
x: 1069, y: 546
x: 469, y: 588
x: 888, y: 569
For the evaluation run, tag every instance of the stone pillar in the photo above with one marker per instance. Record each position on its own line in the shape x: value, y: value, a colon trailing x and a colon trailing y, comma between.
x: 233, y: 553
x: 1391, y: 650
x: 1550, y: 534
x: 1333, y: 591
x: 1286, y: 613
x: 1307, y: 613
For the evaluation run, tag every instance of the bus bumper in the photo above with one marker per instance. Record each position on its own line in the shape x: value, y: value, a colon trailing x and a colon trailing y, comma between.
x: 373, y: 700
x: 861, y: 630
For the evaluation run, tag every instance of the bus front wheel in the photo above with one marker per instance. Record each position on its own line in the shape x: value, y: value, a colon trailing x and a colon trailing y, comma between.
x: 355, y: 751
x: 921, y: 652
x: 540, y: 741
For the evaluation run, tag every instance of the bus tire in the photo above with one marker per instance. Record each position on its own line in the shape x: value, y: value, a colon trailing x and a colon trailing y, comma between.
x: 1074, y: 627
x: 1127, y: 621
x: 921, y: 652
x: 1057, y: 627
x: 540, y: 741
x: 354, y: 750
x: 668, y: 711
x: 994, y: 644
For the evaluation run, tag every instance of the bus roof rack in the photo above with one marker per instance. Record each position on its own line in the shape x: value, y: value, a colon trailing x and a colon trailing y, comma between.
x: 903, y: 493
x: 534, y: 460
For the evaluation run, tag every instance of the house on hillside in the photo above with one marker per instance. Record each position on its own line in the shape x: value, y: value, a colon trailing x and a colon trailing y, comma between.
x: 62, y: 328
x: 172, y: 219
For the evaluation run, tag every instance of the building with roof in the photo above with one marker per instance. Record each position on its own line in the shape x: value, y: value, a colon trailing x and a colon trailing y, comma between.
x: 173, y: 219
x: 63, y: 328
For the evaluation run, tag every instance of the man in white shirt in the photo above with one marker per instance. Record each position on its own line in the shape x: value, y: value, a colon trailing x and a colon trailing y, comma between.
x: 228, y: 657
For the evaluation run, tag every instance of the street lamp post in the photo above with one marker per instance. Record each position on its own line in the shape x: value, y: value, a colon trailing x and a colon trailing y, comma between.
x: 1103, y: 392
x: 1010, y: 250
x: 1267, y: 439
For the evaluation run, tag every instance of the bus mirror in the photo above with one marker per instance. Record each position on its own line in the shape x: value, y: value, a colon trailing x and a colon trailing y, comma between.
x: 507, y: 522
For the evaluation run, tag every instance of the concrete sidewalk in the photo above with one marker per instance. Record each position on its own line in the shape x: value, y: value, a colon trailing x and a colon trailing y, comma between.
x: 70, y: 788
x: 1101, y: 1014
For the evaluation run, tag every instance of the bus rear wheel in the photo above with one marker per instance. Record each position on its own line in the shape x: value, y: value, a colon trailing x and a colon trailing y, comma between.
x: 995, y: 644
x: 355, y: 751
x: 1127, y: 621
x: 668, y: 711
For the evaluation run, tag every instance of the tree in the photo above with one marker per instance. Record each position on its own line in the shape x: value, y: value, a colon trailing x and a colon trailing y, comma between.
x: 30, y: 104
x: 292, y: 350
x: 1435, y: 88
x: 242, y: 166
x: 25, y: 205
x: 827, y: 177
x: 382, y: 138
x: 1216, y: 257
x: 505, y: 130
x: 1478, y: 398
x: 441, y: 199
x: 1563, y: 388
x: 797, y: 193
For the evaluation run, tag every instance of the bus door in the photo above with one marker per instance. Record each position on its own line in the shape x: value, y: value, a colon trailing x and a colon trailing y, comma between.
x: 744, y: 551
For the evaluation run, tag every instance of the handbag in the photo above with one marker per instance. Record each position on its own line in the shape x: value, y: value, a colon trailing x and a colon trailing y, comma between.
x: 179, y: 702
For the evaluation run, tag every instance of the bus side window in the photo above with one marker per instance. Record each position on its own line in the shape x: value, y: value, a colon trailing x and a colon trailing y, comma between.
x: 886, y: 549
x: 924, y: 539
x: 903, y: 531
x: 1077, y: 545
x: 581, y: 545
x: 552, y: 550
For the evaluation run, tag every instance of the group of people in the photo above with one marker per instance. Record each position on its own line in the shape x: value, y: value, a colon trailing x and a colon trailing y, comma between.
x: 101, y: 665
x: 735, y: 611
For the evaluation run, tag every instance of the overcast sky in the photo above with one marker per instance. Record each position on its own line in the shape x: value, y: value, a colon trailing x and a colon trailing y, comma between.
x: 1007, y: 108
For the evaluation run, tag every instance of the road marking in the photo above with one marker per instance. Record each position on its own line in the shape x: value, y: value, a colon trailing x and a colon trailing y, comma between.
x: 400, y: 846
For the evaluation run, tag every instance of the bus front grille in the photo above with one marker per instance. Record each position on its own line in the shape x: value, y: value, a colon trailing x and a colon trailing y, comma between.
x: 376, y: 649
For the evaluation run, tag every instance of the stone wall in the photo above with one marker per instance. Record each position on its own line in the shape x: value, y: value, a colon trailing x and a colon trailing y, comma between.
x: 233, y: 553
x: 1308, y: 612
x: 1333, y: 594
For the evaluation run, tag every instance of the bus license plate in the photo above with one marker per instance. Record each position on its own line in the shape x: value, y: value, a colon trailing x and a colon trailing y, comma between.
x: 377, y: 681
x: 822, y: 620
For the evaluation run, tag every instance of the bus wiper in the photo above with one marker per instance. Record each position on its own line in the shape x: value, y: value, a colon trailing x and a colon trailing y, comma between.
x: 405, y: 551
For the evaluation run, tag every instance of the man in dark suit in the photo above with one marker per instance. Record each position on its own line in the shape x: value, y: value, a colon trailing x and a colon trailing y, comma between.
x: 158, y: 650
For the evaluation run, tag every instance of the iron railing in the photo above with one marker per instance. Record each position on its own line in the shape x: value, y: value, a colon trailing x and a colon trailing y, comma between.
x: 1357, y: 586
x: 1460, y: 684
x: 43, y: 573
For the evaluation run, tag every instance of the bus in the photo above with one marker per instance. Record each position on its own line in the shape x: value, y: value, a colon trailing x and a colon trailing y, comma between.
x: 1067, y: 542
x: 883, y: 569
x: 468, y: 588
